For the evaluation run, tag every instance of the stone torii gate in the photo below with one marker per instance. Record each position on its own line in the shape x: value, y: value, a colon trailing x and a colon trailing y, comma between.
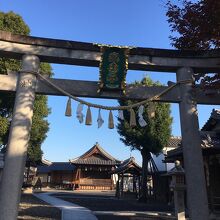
x: 32, y: 50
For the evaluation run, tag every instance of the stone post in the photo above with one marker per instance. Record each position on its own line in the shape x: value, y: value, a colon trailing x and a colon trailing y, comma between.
x: 13, y: 172
x: 178, y: 187
x: 179, y: 204
x: 192, y: 153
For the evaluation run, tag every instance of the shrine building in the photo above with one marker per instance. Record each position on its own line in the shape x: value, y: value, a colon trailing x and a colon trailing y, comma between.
x: 90, y: 171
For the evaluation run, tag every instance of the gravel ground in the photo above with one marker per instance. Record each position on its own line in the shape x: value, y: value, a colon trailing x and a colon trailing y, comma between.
x: 102, y: 203
x: 122, y: 209
x: 32, y: 208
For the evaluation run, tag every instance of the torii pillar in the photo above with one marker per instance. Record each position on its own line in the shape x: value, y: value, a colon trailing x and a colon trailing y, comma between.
x: 13, y: 172
x: 192, y: 152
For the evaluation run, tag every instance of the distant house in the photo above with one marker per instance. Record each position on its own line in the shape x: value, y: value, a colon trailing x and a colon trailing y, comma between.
x: 128, y: 177
x: 87, y: 172
x: 158, y: 185
x: 58, y: 174
x: 173, y: 144
x: 210, y: 135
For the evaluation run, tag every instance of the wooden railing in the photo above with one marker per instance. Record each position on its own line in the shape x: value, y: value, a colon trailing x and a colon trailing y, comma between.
x: 95, y: 184
x: 100, y: 182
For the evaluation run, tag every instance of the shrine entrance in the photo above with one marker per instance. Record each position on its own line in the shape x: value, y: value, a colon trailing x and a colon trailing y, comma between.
x: 28, y: 82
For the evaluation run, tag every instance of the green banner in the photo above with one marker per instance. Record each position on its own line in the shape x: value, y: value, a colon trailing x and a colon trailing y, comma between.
x: 113, y: 68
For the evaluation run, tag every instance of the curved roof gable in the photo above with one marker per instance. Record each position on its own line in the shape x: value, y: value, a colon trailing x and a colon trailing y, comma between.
x: 128, y: 166
x: 213, y: 123
x: 95, y: 155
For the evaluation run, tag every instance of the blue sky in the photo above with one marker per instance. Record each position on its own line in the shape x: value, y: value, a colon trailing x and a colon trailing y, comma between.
x: 125, y: 22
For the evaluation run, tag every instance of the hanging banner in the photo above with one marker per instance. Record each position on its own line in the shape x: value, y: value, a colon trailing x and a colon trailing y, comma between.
x: 113, y: 68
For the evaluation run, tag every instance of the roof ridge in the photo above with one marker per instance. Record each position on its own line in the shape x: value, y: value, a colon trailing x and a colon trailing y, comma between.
x: 104, y: 152
x: 214, y: 116
x: 178, y: 137
x: 45, y: 161
x: 126, y: 165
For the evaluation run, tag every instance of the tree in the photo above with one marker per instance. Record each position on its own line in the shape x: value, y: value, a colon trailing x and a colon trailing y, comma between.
x: 196, y: 25
x: 149, y: 139
x: 14, y: 23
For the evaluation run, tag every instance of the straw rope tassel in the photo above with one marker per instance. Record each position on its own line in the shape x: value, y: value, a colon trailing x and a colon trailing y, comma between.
x: 110, y: 120
x: 125, y: 107
x: 133, y: 122
x: 100, y: 119
x: 68, y: 112
x: 88, y: 116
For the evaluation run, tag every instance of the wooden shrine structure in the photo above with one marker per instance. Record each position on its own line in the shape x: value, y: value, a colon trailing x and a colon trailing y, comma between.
x: 56, y: 175
x: 90, y: 171
x: 26, y: 83
x: 93, y: 169
x: 128, y: 169
x: 210, y: 146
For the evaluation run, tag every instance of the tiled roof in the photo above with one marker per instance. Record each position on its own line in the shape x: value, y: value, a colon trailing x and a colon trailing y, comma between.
x: 209, y: 141
x: 46, y: 162
x: 93, y: 161
x: 56, y: 166
x: 129, y: 166
x: 174, y: 153
x: 43, y: 169
x: 96, y: 156
x: 174, y: 142
x: 209, y: 136
x: 213, y: 120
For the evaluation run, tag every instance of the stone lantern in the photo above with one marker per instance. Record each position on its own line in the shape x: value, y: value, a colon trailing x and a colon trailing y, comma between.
x: 178, y: 187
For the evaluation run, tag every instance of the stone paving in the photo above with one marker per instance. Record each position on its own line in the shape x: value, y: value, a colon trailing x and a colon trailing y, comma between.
x: 70, y: 211
x: 106, y: 206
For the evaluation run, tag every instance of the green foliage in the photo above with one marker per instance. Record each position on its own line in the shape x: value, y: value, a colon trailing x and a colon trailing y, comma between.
x: 187, y: 19
x: 195, y: 25
x: 4, y: 126
x: 149, y: 139
x: 40, y: 127
x: 155, y: 135
x: 15, y: 24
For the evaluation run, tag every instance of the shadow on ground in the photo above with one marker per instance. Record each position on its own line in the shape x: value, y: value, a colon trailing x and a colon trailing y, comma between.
x: 109, y: 207
x: 32, y: 208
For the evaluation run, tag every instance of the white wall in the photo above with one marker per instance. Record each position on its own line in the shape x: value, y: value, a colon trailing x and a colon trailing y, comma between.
x: 158, y: 160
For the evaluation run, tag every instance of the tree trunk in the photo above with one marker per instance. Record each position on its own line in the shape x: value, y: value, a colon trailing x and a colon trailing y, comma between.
x: 145, y: 159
